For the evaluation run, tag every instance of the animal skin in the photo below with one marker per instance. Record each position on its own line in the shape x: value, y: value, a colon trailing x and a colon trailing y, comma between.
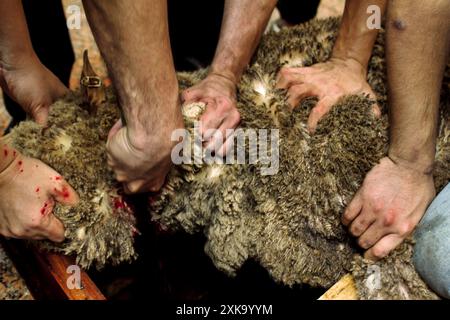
x: 288, y: 222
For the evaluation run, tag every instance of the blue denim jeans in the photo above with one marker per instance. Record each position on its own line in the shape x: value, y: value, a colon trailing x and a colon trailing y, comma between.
x: 432, y: 250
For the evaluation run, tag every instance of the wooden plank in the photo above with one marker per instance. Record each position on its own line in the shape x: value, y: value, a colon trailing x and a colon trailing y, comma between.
x: 46, y: 275
x: 344, y: 289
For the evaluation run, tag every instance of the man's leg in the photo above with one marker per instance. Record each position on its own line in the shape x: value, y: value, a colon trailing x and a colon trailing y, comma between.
x: 432, y: 250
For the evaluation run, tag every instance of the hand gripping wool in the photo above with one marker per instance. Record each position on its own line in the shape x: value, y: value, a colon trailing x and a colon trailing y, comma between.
x: 288, y: 222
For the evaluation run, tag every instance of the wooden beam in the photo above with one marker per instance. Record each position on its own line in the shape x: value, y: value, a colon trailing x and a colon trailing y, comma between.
x: 344, y: 289
x: 45, y: 273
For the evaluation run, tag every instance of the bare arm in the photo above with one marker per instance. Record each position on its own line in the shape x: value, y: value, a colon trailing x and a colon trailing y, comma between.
x: 22, y: 75
x: 417, y: 51
x: 134, y: 40
x: 243, y: 24
x: 14, y: 36
x: 355, y: 40
x: 396, y: 192
x: 346, y: 71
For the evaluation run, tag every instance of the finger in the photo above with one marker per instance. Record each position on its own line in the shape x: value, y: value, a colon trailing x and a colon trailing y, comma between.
x: 153, y: 185
x: 226, y: 129
x: 299, y: 92
x: 322, y: 107
x: 135, y: 186
x: 226, y: 146
x: 190, y: 95
x: 63, y: 193
x: 40, y: 116
x: 286, y: 78
x: 210, y: 120
x: 304, y: 70
x: 383, y: 247
x: 116, y: 127
x: 38, y: 238
x: 53, y: 229
x: 361, y: 223
x: 121, y: 177
x: 376, y: 110
x: 372, y: 235
x: 353, y: 209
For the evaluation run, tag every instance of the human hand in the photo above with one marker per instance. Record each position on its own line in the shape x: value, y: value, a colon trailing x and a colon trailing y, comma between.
x: 219, y: 94
x: 328, y: 81
x: 140, y: 167
x: 29, y: 190
x: 388, y: 206
x: 28, y: 82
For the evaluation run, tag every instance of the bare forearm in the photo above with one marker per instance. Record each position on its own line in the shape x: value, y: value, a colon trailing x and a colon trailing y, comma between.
x: 418, y: 38
x: 134, y: 40
x: 355, y: 40
x: 243, y: 24
x: 14, y: 37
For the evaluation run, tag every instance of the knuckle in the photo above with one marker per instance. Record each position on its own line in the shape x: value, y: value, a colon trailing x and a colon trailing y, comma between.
x: 284, y: 72
x: 34, y: 224
x: 379, y: 252
x: 355, y: 229
x: 236, y: 116
x: 316, y: 111
x: 405, y: 229
x: 18, y: 232
x: 363, y: 243
x: 377, y: 205
x: 389, y: 219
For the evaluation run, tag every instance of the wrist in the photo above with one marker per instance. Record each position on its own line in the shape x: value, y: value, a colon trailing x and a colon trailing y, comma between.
x: 145, y: 132
x: 422, y: 165
x: 232, y: 77
x: 17, y: 58
x: 355, y: 65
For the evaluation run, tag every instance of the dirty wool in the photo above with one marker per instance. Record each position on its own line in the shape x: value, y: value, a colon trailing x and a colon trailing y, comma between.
x: 290, y: 221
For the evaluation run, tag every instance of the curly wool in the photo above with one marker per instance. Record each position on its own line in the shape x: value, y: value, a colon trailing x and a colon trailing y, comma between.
x: 288, y: 222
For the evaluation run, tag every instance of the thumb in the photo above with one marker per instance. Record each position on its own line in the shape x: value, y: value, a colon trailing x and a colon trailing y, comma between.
x: 190, y: 95
x: 54, y: 230
x: 116, y: 127
x: 65, y: 194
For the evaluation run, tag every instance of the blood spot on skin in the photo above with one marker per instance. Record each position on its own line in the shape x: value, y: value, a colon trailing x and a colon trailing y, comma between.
x: 389, y: 219
x: 37, y: 189
x: 5, y: 152
x: 21, y: 171
x: 58, y: 178
x: 14, y: 153
x: 20, y: 163
x: 64, y: 192
x: 44, y: 208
